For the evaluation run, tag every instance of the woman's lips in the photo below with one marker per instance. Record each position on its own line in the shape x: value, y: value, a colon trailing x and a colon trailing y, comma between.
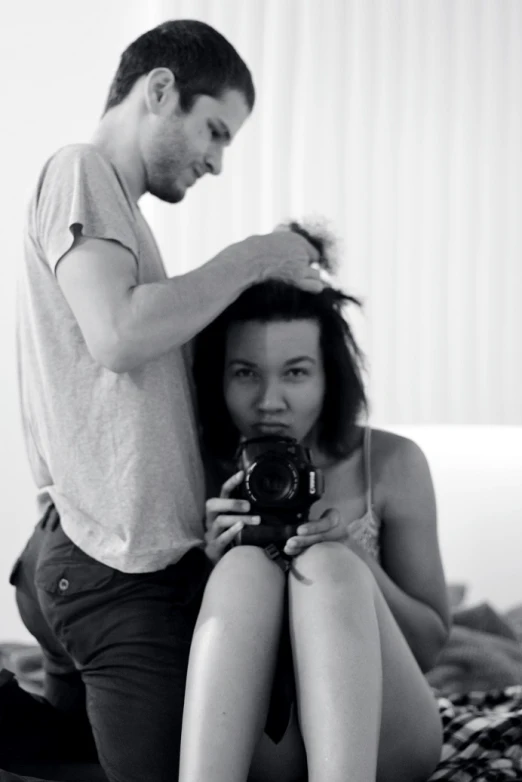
x: 271, y: 428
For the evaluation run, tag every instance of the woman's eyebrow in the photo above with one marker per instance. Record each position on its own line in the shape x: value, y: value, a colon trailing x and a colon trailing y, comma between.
x: 300, y: 359
x: 242, y: 361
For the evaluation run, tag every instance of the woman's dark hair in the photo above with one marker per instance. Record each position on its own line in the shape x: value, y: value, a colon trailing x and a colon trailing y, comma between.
x: 202, y: 60
x: 274, y: 300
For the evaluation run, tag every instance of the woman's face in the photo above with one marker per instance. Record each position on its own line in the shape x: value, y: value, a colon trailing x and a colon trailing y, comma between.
x: 274, y: 378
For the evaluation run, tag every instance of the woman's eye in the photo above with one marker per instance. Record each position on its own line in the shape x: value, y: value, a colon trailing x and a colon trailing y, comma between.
x: 297, y: 373
x: 244, y: 373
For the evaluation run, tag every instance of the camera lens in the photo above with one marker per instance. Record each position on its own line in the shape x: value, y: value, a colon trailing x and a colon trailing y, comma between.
x: 272, y: 481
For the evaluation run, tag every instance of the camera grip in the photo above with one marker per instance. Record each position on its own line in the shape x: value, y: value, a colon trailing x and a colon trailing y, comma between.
x: 264, y: 534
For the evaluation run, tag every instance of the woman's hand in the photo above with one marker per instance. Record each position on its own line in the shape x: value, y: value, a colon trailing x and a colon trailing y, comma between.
x: 224, y: 518
x: 330, y: 526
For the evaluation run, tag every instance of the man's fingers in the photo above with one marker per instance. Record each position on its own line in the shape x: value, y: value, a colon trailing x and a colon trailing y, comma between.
x: 312, y: 254
x: 311, y: 286
x: 299, y: 272
x: 311, y: 281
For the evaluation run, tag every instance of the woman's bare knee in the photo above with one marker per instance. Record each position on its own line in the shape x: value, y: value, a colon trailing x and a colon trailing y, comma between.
x: 247, y: 562
x: 243, y: 577
x: 335, y: 562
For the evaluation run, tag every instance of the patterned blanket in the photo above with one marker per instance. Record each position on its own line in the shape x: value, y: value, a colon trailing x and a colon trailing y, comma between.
x: 482, y: 737
x: 478, y: 682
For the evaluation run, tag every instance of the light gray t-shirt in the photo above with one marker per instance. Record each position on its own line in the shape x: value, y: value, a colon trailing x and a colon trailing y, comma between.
x: 116, y: 453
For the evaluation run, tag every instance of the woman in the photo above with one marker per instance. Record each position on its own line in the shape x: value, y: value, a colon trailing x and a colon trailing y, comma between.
x: 364, y: 603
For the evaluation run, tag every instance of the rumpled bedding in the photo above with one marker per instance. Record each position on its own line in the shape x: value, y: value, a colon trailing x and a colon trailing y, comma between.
x: 477, y: 679
x: 484, y: 652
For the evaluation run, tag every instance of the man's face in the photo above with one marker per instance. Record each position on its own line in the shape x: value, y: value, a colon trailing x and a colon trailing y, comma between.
x: 178, y: 148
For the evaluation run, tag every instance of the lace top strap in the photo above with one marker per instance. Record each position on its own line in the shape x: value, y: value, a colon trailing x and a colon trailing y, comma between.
x: 367, y: 446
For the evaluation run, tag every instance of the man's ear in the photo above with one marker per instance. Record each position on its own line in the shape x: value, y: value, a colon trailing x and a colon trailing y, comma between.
x: 160, y: 90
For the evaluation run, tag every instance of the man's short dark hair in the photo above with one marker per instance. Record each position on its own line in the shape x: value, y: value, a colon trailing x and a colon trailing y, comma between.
x: 270, y: 301
x: 202, y: 60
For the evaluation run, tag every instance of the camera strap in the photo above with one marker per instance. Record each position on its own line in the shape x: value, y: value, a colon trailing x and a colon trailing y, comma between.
x: 283, y: 561
x: 278, y: 556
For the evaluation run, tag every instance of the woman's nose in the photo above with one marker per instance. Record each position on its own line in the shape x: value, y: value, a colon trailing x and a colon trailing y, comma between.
x: 270, y: 398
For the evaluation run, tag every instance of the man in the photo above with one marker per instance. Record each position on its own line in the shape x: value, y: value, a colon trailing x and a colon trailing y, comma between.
x: 111, y: 581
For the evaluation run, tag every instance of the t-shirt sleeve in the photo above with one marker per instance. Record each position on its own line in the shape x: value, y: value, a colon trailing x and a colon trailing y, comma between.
x: 79, y: 192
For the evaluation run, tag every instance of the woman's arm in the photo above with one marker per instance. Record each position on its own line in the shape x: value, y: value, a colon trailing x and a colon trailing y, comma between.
x: 411, y: 577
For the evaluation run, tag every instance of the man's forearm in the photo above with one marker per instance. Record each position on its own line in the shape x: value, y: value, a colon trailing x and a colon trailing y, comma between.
x: 163, y: 315
x: 422, y: 627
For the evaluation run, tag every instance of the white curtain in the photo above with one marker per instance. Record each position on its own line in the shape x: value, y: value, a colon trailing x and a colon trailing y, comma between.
x: 400, y: 122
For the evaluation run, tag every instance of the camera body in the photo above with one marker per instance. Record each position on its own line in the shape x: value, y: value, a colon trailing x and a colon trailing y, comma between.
x: 281, y: 483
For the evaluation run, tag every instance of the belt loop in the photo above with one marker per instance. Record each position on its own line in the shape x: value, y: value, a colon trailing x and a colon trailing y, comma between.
x: 55, y: 519
x: 45, y: 517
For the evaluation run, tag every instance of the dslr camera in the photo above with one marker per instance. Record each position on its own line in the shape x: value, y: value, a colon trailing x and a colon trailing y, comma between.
x: 281, y: 483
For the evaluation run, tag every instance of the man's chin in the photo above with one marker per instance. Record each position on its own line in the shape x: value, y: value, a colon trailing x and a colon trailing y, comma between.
x: 173, y: 196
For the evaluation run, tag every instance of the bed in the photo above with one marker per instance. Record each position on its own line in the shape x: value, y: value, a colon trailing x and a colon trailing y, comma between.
x: 477, y: 473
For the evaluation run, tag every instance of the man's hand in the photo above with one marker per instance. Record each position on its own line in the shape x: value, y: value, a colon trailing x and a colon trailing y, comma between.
x: 286, y: 256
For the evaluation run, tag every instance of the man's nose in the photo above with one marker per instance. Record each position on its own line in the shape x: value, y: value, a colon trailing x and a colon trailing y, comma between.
x: 214, y: 161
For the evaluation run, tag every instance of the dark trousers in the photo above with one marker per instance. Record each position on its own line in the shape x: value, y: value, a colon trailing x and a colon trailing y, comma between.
x: 116, y: 649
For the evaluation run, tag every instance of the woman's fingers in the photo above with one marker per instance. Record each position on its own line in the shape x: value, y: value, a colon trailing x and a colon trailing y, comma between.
x: 232, y: 483
x: 298, y: 544
x: 224, y: 503
x: 329, y: 520
x: 218, y: 505
x: 223, y: 531
x: 216, y: 548
x: 225, y: 538
x: 224, y: 522
x: 327, y: 527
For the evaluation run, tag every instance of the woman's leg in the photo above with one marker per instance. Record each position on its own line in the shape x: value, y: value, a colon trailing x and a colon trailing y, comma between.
x: 337, y: 662
x: 231, y: 667
x: 365, y: 709
x: 337, y: 659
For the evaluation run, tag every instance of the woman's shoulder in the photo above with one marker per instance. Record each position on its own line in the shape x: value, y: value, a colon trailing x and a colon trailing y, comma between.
x: 395, y: 457
x: 388, y: 446
x: 399, y: 465
x: 389, y: 452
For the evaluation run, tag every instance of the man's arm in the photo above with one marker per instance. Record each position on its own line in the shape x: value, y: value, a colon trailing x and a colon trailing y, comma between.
x: 125, y: 324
